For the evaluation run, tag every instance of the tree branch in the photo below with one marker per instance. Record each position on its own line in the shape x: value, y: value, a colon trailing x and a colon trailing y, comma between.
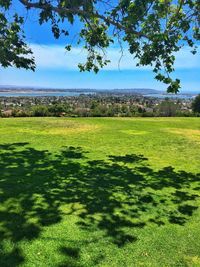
x: 80, y: 12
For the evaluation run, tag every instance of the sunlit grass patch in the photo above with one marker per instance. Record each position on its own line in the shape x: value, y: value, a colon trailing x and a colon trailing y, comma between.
x: 134, y: 132
x: 192, y: 260
x: 62, y: 130
x: 191, y: 134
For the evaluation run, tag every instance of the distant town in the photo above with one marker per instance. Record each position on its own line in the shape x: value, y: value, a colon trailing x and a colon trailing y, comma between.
x: 27, y: 102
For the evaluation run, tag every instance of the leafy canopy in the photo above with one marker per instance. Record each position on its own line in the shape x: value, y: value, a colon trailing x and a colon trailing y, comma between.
x: 196, y: 104
x: 153, y: 31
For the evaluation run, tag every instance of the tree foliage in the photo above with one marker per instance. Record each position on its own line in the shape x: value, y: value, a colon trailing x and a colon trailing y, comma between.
x: 167, y: 108
x: 13, y: 49
x: 153, y: 30
x: 196, y: 104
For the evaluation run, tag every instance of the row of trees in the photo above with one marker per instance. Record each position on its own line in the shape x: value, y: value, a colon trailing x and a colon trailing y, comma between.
x: 166, y: 108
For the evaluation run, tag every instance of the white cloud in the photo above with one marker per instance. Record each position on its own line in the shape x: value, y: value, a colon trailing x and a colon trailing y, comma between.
x: 55, y: 57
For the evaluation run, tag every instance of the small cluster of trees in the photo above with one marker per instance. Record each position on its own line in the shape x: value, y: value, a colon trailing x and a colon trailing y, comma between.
x: 55, y: 110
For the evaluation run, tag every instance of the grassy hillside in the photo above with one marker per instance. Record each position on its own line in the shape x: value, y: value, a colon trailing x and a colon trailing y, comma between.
x: 100, y: 192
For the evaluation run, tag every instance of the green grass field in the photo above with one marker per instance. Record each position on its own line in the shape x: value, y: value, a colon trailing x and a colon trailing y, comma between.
x: 100, y: 192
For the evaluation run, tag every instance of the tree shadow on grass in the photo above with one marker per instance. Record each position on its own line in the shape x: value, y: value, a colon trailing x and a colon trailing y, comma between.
x: 114, y: 195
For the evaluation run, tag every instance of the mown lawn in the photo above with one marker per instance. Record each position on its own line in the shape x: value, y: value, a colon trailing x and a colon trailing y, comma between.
x: 100, y: 192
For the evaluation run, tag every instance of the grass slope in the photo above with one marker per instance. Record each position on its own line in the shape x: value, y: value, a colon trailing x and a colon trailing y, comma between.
x: 100, y: 192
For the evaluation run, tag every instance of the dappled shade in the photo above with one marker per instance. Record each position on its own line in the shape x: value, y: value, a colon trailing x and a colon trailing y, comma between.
x: 114, y: 195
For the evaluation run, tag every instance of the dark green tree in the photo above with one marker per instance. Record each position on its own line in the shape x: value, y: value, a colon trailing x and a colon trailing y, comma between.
x: 58, y: 109
x: 40, y: 111
x: 167, y: 108
x: 153, y: 30
x: 196, y: 104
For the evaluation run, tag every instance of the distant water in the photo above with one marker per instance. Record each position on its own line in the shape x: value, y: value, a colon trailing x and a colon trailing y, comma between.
x: 179, y: 96
x: 39, y: 93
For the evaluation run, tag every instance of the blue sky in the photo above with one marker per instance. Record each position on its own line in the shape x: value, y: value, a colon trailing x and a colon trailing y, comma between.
x: 56, y: 68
